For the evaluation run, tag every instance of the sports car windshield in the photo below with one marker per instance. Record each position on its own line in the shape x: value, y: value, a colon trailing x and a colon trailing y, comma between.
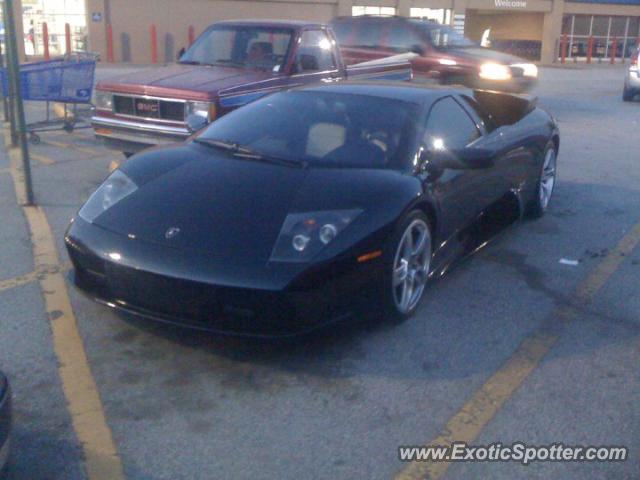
x: 244, y: 46
x: 324, y: 129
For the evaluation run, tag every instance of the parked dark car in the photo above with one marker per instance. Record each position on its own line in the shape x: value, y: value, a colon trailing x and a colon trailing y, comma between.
x: 632, y: 78
x: 231, y: 64
x: 5, y: 421
x: 299, y: 208
x: 443, y: 54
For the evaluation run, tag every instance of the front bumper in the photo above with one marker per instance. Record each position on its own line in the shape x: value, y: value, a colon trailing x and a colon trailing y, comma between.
x: 132, y: 136
x: 165, y: 284
x: 5, y: 425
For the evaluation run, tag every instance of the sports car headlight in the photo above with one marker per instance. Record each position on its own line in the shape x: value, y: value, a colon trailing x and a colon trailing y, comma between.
x: 495, y: 71
x: 203, y: 109
x: 104, y: 100
x: 114, y: 189
x: 528, y: 69
x: 303, y: 235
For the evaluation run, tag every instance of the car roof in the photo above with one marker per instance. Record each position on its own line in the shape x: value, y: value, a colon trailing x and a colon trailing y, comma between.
x: 403, y: 91
x: 272, y: 23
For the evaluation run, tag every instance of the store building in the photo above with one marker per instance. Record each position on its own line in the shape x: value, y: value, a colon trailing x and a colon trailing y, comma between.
x: 530, y: 28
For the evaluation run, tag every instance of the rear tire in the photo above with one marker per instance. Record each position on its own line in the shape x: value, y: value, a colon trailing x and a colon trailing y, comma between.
x: 546, y: 183
x: 407, y: 262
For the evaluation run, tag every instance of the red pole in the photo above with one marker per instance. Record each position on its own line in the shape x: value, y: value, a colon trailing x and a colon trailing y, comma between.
x: 67, y: 37
x: 614, y: 48
x: 563, y: 48
x: 110, y: 57
x: 192, y: 35
x: 589, y: 49
x: 154, y: 44
x: 45, y: 40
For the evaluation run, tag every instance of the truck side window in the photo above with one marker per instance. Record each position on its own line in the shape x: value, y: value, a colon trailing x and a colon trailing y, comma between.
x: 449, y: 126
x: 369, y: 33
x: 315, y: 53
x: 402, y: 38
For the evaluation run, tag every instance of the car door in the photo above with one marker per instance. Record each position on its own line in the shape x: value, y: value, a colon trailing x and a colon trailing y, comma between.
x: 461, y: 193
x: 314, y: 59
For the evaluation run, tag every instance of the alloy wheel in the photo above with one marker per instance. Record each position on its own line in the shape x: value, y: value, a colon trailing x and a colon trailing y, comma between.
x: 548, y: 178
x: 411, y: 266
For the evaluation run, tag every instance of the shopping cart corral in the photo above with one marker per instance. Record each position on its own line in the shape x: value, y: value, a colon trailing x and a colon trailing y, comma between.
x: 64, y: 84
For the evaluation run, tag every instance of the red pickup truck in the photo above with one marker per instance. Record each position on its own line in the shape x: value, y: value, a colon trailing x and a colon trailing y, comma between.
x: 232, y: 63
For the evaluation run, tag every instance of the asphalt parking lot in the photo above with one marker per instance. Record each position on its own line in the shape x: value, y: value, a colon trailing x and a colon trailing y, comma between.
x: 512, y: 345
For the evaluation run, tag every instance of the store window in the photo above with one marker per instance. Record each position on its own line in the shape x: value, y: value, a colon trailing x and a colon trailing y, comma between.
x: 357, y: 10
x: 440, y: 15
x: 603, y: 30
x: 56, y: 13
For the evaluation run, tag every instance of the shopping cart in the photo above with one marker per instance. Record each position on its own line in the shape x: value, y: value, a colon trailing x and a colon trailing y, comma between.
x: 66, y: 81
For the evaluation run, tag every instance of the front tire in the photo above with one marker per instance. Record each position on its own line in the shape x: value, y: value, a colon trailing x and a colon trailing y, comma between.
x: 546, y: 183
x: 407, y: 263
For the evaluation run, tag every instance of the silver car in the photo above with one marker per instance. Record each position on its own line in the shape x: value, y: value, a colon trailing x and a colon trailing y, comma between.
x: 632, y: 78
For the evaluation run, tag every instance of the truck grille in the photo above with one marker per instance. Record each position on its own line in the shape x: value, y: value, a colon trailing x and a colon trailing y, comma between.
x: 148, y: 108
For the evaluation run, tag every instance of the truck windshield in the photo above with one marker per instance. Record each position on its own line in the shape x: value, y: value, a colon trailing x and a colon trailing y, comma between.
x: 321, y: 129
x: 443, y: 36
x: 244, y: 46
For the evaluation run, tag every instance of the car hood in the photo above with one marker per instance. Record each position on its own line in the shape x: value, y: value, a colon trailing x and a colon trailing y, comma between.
x: 212, y: 202
x: 480, y: 54
x: 191, y: 82
x: 196, y: 198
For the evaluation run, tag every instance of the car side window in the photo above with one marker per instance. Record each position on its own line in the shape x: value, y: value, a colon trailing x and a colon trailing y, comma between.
x: 369, y: 34
x: 315, y: 53
x: 449, y: 126
x: 402, y: 38
x: 484, y: 117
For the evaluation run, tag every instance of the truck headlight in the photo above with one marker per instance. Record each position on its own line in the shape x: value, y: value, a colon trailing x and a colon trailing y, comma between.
x: 495, y: 71
x: 303, y: 235
x: 104, y: 100
x: 528, y: 69
x: 114, y: 189
x: 203, y: 109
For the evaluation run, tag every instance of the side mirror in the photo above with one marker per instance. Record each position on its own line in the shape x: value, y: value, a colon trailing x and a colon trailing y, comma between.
x: 195, y: 123
x: 417, y: 49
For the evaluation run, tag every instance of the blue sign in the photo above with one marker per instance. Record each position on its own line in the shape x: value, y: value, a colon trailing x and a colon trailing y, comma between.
x: 96, y: 16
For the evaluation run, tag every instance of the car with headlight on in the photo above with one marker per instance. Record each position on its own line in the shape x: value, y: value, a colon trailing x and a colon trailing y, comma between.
x: 303, y: 207
x: 441, y: 54
x: 632, y: 78
x: 5, y: 421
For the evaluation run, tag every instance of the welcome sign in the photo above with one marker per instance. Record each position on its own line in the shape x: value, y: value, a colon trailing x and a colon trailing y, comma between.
x: 510, y: 3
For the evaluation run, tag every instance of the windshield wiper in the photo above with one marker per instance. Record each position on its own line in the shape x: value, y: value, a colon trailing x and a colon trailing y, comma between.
x: 240, y: 151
